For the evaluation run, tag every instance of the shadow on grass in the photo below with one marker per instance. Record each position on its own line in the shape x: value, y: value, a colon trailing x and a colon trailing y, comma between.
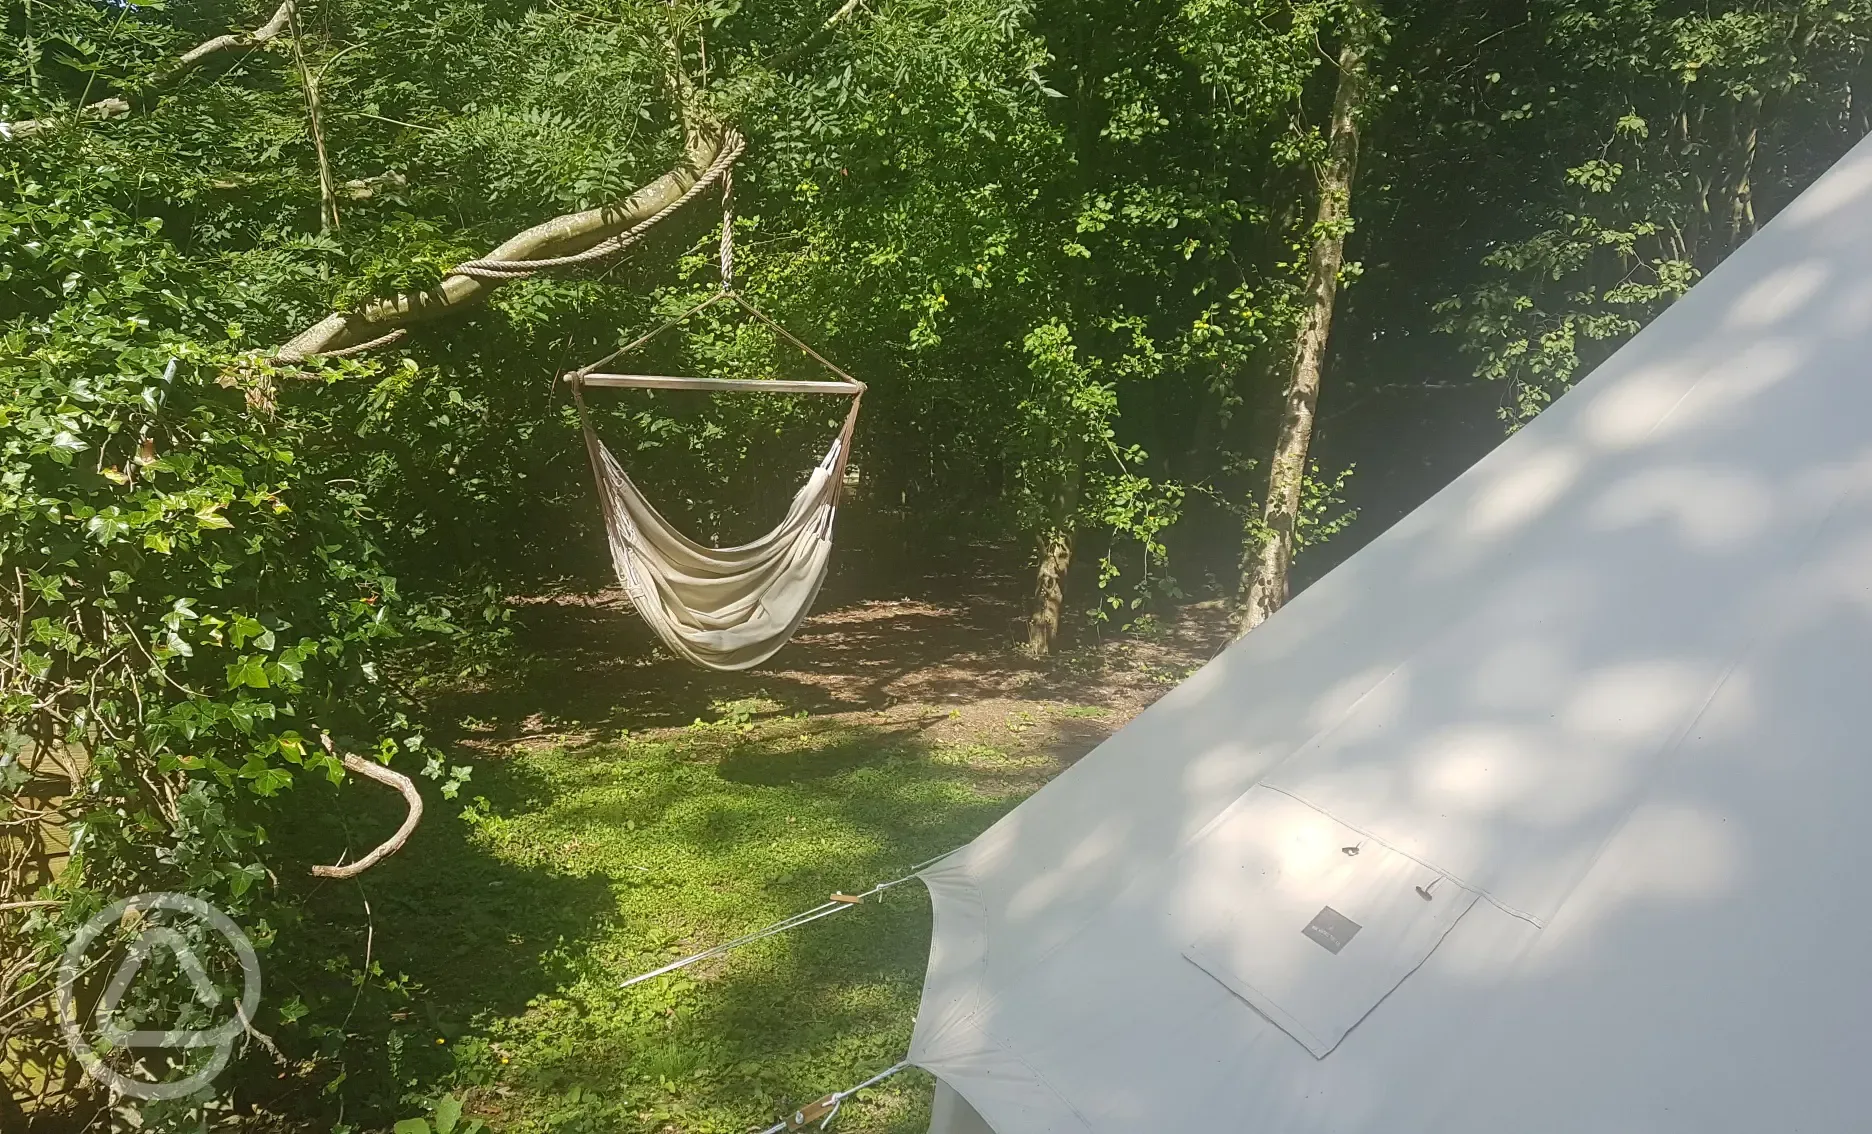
x: 703, y: 838
x: 816, y: 756
x: 595, y: 669
x: 397, y: 965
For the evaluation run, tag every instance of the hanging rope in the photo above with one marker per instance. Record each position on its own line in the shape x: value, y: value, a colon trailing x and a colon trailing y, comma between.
x: 838, y: 903
x: 824, y: 1110
x: 727, y: 230
x: 722, y: 608
x: 490, y: 269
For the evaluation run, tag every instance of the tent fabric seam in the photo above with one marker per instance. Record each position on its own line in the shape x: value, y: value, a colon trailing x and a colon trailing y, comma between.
x: 1770, y: 623
x: 1295, y: 1022
x: 1010, y: 1051
x: 979, y: 966
x: 1183, y: 848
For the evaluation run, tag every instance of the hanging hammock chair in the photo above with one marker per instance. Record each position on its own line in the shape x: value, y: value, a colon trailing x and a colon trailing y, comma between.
x: 723, y: 608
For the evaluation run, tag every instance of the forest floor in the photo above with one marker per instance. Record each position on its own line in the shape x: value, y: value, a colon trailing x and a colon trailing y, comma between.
x: 626, y: 809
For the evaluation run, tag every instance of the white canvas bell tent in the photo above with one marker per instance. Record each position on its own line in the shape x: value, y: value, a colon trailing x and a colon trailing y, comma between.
x: 1549, y: 810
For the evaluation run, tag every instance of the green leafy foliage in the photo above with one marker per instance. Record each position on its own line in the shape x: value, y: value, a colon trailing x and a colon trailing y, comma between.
x: 1063, y: 242
x: 1677, y: 131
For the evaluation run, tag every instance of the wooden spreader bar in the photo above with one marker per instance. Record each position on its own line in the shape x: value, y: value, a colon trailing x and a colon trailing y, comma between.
x: 727, y: 385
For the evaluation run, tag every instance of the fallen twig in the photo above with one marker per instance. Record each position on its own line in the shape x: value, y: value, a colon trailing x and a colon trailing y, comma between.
x: 406, y: 787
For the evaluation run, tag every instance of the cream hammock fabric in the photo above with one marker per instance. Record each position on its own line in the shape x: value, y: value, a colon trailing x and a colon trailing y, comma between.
x: 727, y: 608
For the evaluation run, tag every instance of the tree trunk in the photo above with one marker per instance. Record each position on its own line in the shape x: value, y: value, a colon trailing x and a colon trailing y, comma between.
x: 1269, y: 554
x: 328, y: 186
x: 1742, y: 190
x: 1056, y: 552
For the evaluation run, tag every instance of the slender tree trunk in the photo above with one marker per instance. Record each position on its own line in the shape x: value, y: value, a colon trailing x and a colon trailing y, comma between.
x: 1268, y: 556
x: 1056, y: 552
x: 1742, y: 193
x: 328, y: 187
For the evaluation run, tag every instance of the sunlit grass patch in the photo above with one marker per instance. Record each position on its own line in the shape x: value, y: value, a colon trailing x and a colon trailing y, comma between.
x: 694, y: 836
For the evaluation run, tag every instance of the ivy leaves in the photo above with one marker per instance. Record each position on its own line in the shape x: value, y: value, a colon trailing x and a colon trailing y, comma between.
x: 190, y: 599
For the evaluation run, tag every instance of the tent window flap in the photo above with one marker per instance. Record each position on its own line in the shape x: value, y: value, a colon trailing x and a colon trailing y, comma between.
x: 1312, y: 923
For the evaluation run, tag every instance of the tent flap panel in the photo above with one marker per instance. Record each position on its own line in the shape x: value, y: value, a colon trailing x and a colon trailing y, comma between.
x: 950, y: 1113
x: 1317, y: 923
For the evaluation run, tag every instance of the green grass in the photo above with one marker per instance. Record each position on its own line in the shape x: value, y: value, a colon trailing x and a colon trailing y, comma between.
x: 514, y: 923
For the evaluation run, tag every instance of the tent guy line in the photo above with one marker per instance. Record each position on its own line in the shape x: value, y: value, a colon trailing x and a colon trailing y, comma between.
x: 824, y: 1110
x: 836, y: 904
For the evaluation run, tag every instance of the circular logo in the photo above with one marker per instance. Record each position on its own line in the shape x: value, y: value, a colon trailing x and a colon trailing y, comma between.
x: 154, y: 936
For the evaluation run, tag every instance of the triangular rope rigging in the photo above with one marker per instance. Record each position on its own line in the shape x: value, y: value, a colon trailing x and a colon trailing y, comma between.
x: 725, y: 608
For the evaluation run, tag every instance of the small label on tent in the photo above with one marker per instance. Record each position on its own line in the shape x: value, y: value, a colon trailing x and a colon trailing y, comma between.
x: 1330, y: 929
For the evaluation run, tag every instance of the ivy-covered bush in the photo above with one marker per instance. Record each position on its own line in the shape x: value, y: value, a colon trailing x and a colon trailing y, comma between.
x: 194, y: 614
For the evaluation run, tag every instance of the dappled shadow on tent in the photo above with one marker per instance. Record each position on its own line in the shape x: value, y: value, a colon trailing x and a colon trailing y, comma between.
x: 1610, y: 678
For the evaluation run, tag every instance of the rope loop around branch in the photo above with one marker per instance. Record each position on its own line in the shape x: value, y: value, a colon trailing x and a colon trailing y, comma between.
x: 497, y: 270
x: 380, y: 341
x: 488, y: 268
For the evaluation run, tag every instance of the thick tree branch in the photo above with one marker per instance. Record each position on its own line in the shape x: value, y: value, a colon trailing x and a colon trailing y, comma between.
x: 394, y: 843
x: 562, y: 236
x: 272, y: 29
x: 188, y: 61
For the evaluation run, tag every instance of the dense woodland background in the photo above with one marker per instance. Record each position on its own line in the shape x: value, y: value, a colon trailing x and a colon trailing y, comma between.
x: 1074, y: 247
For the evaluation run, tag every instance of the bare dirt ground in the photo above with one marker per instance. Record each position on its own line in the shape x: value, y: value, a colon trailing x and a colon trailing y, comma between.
x: 945, y: 666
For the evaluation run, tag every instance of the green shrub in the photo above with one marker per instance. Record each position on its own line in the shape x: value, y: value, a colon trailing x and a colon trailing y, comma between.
x: 195, y: 617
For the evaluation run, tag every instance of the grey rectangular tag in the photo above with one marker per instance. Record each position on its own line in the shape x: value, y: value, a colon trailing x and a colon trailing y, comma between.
x: 1330, y: 929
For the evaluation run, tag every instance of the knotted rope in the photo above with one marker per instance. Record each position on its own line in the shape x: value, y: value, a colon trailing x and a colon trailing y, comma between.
x: 347, y: 352
x: 727, y: 230
x: 824, y: 1110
